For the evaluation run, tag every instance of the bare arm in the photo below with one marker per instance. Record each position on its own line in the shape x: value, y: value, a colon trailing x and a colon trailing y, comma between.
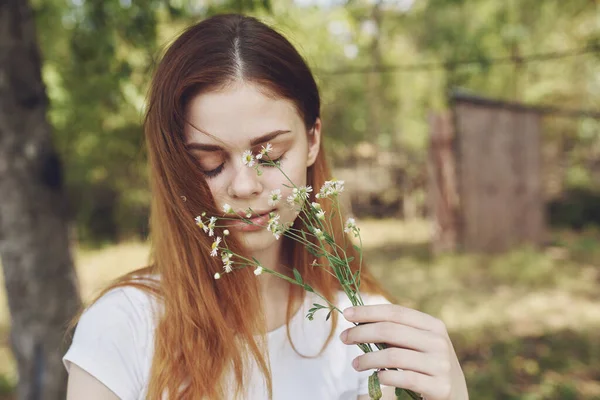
x: 84, y: 386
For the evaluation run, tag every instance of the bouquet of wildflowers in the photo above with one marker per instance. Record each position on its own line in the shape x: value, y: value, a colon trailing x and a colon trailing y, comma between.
x: 319, y: 227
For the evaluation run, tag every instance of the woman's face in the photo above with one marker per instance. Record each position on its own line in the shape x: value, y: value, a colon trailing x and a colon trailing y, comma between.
x: 225, y: 123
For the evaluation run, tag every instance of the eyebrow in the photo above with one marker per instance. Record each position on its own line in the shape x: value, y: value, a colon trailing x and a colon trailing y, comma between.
x: 256, y: 141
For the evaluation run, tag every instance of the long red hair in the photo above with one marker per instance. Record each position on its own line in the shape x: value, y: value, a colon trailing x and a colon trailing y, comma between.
x: 204, y: 333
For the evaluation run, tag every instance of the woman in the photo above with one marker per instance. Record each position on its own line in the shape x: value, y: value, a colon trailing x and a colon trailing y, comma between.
x: 228, y: 84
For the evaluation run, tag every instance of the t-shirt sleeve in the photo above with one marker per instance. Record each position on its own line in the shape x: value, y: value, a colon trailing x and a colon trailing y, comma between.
x: 110, y: 342
x: 363, y: 376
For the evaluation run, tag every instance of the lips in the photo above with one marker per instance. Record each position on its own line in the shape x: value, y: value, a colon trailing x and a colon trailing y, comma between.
x: 259, y: 221
x: 243, y: 214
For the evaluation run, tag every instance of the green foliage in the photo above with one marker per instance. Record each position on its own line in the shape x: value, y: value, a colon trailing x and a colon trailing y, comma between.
x: 382, y: 68
x: 7, y: 386
x: 99, y: 56
x: 576, y: 208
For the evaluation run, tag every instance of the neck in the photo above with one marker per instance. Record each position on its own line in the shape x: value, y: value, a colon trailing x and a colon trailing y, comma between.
x: 272, y: 287
x: 274, y: 290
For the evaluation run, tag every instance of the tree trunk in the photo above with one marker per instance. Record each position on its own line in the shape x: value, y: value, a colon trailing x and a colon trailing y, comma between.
x: 38, y: 268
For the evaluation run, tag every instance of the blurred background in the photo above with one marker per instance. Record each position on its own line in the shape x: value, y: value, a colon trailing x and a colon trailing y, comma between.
x: 468, y: 133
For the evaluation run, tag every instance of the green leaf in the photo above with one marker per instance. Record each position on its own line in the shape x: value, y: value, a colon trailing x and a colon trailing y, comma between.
x: 328, y: 238
x: 357, y: 248
x: 399, y: 393
x: 374, y: 387
x: 312, y: 251
x: 328, y: 315
x: 357, y: 279
x: 298, y: 276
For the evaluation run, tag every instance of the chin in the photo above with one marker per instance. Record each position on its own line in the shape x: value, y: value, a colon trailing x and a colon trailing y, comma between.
x: 257, y: 241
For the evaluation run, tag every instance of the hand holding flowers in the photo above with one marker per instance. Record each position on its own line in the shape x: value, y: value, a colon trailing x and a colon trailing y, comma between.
x: 415, y: 352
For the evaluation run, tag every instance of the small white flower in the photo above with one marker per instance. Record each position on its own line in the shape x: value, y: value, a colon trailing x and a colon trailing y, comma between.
x: 258, y: 270
x: 266, y: 150
x: 248, y: 215
x: 215, y: 247
x: 259, y: 156
x: 299, y: 195
x: 227, y: 208
x: 227, y: 263
x: 201, y: 224
x: 304, y: 191
x: 273, y: 223
x: 320, y: 215
x: 330, y: 188
x: 248, y: 158
x: 227, y: 267
x: 226, y: 232
x: 319, y: 234
x: 316, y: 206
x: 225, y: 256
x: 274, y: 197
x: 275, y: 226
x: 350, y: 224
x: 217, y: 275
x: 211, y: 226
x: 351, y: 227
x: 291, y: 199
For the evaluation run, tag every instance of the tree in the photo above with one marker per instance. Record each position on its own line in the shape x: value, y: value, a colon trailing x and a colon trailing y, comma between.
x: 34, y: 243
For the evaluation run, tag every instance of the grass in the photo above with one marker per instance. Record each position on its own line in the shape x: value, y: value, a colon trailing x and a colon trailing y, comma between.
x: 524, y: 323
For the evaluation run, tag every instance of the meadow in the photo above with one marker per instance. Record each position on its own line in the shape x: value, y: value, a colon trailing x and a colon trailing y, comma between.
x: 525, y: 324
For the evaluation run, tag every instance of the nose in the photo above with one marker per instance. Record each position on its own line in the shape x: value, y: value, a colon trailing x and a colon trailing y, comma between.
x: 245, y: 183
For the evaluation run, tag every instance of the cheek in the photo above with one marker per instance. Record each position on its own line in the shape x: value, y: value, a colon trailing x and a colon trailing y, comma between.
x: 294, y: 167
x: 276, y: 180
x: 217, y: 188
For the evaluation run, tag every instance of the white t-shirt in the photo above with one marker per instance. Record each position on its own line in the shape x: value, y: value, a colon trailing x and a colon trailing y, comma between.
x: 114, y: 343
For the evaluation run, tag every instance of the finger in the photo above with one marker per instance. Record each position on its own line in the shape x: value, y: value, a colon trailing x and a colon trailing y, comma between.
x: 396, y: 335
x: 430, y: 387
x: 397, y: 314
x: 404, y: 359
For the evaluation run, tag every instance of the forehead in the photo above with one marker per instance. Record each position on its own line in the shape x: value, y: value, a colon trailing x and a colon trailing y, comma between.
x: 238, y: 113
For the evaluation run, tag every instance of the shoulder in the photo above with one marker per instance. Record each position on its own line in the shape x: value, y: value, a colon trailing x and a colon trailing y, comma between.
x: 113, y: 340
x: 118, y: 306
x: 120, y: 312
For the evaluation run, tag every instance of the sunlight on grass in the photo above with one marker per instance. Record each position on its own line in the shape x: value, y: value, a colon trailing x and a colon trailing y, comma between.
x: 96, y: 268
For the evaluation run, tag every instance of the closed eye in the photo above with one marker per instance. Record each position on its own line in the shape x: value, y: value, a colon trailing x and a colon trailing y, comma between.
x: 214, y: 172
x: 264, y: 161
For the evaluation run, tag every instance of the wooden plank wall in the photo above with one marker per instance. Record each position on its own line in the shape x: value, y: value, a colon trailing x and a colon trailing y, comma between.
x: 443, y: 191
x: 497, y: 155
